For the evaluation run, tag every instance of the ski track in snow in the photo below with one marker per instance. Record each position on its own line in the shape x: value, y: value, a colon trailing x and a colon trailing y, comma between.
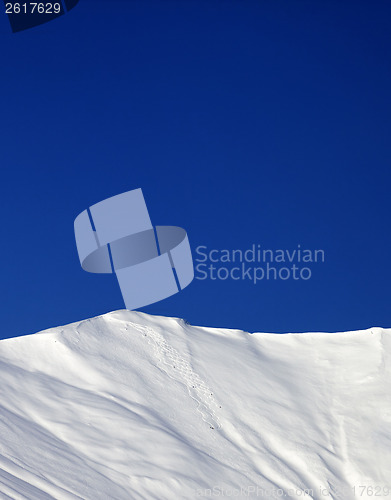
x: 177, y: 368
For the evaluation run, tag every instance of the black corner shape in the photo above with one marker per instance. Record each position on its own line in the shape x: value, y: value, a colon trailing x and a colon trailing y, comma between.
x: 25, y: 14
x: 69, y: 4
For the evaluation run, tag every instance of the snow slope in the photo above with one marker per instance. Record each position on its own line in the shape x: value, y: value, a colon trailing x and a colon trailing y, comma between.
x: 132, y: 406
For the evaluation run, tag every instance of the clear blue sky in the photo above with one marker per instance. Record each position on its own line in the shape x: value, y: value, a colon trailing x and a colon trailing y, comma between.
x: 263, y: 122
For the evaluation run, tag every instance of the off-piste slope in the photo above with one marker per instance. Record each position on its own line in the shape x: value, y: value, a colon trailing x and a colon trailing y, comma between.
x: 131, y: 406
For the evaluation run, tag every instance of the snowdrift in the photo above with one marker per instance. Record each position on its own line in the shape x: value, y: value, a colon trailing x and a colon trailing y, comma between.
x: 131, y: 406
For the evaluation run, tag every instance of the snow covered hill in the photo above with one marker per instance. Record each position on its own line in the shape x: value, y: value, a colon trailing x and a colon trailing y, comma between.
x: 130, y: 406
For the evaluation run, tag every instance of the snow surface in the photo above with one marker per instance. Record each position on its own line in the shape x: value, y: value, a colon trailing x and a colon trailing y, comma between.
x: 132, y: 406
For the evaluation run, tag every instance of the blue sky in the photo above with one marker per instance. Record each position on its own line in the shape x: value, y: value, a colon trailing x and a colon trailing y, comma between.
x: 244, y: 122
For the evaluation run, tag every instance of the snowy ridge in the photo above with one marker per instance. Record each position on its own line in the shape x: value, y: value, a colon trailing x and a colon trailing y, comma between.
x: 132, y: 406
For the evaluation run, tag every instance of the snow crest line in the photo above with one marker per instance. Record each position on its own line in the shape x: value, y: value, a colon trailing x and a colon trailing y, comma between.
x: 177, y: 368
